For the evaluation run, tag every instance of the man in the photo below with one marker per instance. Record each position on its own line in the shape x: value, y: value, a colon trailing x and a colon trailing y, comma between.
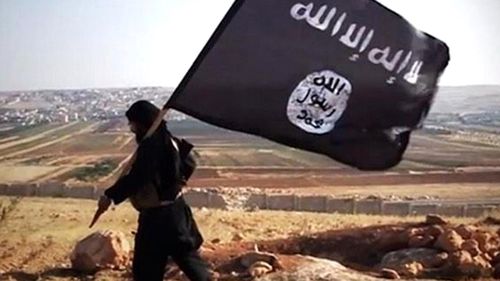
x: 153, y: 185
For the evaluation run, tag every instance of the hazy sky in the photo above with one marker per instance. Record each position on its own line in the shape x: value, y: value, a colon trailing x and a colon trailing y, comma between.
x: 53, y: 44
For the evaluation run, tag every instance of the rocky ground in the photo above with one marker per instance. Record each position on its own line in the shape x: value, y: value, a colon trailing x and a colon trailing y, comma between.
x: 38, y: 237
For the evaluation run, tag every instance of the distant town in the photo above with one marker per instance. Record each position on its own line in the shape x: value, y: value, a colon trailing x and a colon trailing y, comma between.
x: 469, y: 108
x: 29, y: 108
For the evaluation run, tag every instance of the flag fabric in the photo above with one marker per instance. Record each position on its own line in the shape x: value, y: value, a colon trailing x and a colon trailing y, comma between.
x: 349, y: 79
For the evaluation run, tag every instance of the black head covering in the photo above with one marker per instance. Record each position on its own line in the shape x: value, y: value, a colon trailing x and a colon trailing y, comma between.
x: 143, y: 113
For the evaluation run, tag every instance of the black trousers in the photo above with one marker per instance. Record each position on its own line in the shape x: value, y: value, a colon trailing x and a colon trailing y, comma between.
x: 168, y: 232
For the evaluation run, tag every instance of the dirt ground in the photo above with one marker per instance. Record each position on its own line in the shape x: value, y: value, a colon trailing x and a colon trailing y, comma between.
x: 37, y: 235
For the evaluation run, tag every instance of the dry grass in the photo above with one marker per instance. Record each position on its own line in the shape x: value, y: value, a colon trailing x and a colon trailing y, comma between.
x: 66, y: 220
x: 23, y: 174
x: 37, y: 234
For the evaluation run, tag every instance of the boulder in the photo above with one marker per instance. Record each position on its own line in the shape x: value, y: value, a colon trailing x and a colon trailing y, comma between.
x: 471, y: 246
x: 479, y: 267
x: 466, y: 231
x: 467, y: 266
x: 450, y: 241
x: 435, y: 219
x: 412, y: 262
x: 315, y: 269
x: 413, y: 269
x: 484, y: 239
x: 102, y: 249
x: 434, y: 230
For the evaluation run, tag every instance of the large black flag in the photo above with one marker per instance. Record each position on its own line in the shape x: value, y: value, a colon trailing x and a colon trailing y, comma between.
x: 345, y: 78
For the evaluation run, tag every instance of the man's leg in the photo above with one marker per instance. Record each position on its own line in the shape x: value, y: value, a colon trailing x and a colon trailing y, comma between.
x: 193, y: 266
x: 149, y: 255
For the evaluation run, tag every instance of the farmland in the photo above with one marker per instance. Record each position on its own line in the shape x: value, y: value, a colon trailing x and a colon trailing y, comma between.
x: 62, y: 152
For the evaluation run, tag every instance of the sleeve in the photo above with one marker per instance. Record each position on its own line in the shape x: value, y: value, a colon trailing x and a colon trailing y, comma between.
x: 142, y: 172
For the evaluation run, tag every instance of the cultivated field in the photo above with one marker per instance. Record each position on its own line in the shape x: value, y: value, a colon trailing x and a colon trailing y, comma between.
x: 448, y: 165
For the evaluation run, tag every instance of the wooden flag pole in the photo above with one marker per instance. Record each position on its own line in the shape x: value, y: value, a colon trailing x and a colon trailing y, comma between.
x: 126, y: 168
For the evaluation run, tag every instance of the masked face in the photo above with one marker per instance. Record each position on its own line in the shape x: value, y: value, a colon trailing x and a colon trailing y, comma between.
x: 133, y: 126
x: 138, y: 130
x: 319, y: 101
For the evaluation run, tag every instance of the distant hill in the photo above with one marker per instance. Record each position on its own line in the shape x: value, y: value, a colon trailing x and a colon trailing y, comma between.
x: 467, y: 99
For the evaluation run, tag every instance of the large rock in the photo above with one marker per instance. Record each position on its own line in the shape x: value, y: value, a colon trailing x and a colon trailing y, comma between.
x: 485, y: 241
x: 450, y: 241
x: 314, y: 269
x: 466, y: 231
x: 471, y: 246
x: 103, y: 249
x: 435, y: 219
x: 467, y: 266
x: 412, y: 262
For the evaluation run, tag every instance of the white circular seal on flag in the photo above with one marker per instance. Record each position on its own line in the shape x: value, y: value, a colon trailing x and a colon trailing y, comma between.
x: 319, y: 101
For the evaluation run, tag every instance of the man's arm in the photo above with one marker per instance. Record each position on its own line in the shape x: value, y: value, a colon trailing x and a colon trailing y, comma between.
x: 140, y: 173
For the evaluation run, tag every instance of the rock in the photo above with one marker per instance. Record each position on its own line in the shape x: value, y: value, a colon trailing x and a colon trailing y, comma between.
x: 250, y: 258
x: 435, y: 219
x: 483, y: 238
x: 491, y: 220
x: 471, y: 246
x: 420, y: 241
x: 468, y: 266
x: 478, y: 268
x: 486, y: 257
x: 459, y: 257
x: 237, y: 237
x: 414, y: 269
x: 103, y: 249
x: 411, y: 262
x: 315, y: 269
x: 449, y: 241
x: 389, y: 274
x: 259, y: 269
x: 434, y: 230
x: 465, y: 231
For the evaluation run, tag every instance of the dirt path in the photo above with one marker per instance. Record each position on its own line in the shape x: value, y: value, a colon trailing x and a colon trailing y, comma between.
x: 36, y: 137
x: 87, y: 129
x: 9, y: 139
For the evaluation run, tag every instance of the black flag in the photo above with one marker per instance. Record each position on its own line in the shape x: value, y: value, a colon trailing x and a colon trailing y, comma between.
x: 346, y: 78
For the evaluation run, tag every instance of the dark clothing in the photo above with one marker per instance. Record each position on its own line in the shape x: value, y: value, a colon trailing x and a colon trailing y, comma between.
x: 168, y: 232
x: 156, y: 164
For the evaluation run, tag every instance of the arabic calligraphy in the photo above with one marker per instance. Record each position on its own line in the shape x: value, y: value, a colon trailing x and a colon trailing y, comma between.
x: 319, y: 101
x: 359, y: 38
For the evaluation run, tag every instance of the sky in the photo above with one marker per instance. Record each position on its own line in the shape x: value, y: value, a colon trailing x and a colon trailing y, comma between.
x: 70, y: 44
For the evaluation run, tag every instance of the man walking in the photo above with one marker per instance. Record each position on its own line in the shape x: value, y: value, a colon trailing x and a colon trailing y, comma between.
x: 153, y: 185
